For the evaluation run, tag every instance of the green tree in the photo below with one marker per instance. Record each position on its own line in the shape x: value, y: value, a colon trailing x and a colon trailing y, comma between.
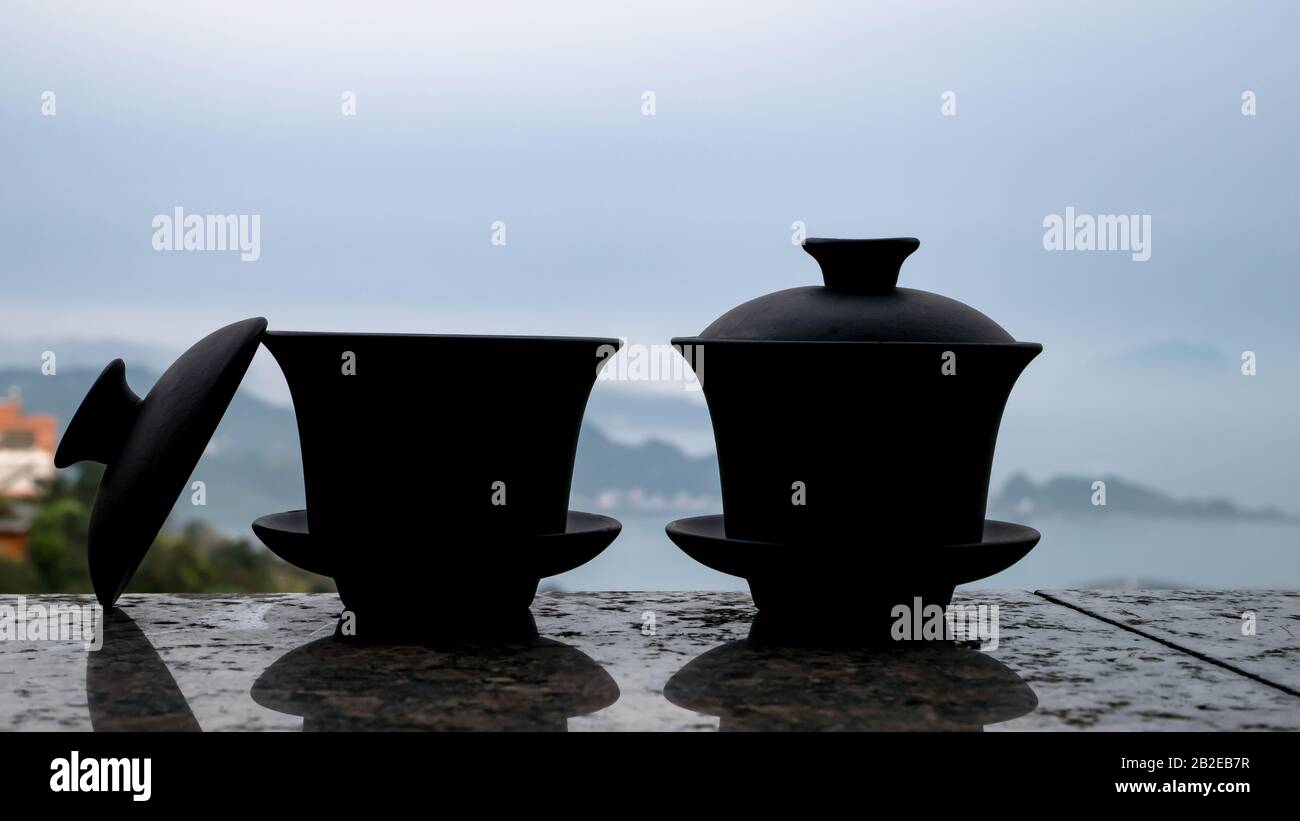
x: 195, y: 559
x: 56, y: 545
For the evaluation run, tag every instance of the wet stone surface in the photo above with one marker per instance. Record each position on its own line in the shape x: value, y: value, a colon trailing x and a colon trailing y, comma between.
x: 1256, y: 632
x: 658, y: 661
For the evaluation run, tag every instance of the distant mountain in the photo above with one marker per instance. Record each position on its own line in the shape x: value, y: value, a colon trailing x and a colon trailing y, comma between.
x: 628, y: 414
x: 83, y: 354
x: 609, y: 476
x: 253, y: 466
x: 1072, y: 495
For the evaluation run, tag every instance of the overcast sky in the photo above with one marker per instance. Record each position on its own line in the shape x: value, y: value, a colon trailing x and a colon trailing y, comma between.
x: 650, y: 226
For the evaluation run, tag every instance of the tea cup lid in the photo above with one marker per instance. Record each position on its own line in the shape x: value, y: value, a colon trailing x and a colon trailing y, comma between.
x: 859, y: 302
x: 150, y: 446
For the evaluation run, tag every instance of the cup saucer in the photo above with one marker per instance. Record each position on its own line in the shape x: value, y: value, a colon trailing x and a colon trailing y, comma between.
x: 704, y: 539
x: 535, y: 556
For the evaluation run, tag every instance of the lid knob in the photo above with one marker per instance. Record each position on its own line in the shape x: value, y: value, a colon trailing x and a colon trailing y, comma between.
x: 102, y: 422
x: 861, y: 266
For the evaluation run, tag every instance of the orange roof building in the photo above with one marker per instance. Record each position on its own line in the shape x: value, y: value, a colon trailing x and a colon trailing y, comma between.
x: 27, y: 445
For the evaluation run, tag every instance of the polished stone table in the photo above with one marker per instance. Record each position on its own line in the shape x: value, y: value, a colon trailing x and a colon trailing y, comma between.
x: 1064, y: 660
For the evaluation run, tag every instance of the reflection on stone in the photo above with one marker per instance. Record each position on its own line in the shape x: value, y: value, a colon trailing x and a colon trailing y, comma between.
x: 534, y: 684
x: 129, y: 688
x: 417, y: 622
x: 759, y: 685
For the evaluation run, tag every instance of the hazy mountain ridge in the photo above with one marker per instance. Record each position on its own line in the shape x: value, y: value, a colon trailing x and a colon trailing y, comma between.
x: 1023, y: 499
x: 253, y: 467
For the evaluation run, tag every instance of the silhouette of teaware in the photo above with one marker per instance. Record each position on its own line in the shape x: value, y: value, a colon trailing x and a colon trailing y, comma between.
x: 528, y: 684
x: 512, y: 565
x: 855, y: 426
x: 437, y: 468
x: 150, y: 446
x: 758, y: 685
x: 437, y: 461
x: 395, y: 427
x: 845, y: 584
x: 128, y: 686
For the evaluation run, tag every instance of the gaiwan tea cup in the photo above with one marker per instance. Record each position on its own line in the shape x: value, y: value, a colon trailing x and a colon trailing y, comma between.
x: 424, y: 456
x: 858, y: 415
x: 437, y: 468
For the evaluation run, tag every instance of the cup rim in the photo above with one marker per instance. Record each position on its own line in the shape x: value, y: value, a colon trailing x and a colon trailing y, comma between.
x: 594, y: 340
x: 707, y: 340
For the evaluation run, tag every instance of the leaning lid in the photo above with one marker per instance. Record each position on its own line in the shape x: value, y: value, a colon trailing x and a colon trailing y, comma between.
x: 150, y: 446
x: 860, y: 302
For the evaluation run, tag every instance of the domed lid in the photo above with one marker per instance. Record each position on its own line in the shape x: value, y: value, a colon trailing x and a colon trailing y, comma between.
x: 150, y: 445
x: 860, y: 302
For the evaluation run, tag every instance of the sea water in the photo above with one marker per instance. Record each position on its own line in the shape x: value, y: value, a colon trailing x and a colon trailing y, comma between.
x: 1107, y: 550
